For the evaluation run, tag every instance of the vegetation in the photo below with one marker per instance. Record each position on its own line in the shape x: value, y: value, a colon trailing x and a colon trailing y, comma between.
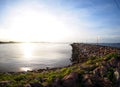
x: 94, y: 60
x: 47, y: 76
x: 44, y: 77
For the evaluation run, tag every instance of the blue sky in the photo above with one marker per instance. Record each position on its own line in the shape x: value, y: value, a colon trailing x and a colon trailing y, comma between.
x: 60, y: 20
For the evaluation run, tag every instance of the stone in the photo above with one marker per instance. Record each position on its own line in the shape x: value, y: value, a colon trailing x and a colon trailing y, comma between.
x: 70, y: 80
x: 4, y: 83
x: 118, y: 65
x: 27, y: 85
x: 57, y: 83
x: 116, y: 74
x: 81, y: 52
x: 117, y: 83
x: 36, y: 84
x: 113, y: 62
x: 103, y: 71
x: 101, y: 82
x: 96, y: 71
x: 88, y: 83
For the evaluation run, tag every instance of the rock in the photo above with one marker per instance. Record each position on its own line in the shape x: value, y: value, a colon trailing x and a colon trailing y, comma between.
x: 103, y: 71
x: 101, y: 82
x: 70, y: 80
x: 27, y: 85
x: 113, y: 62
x: 81, y: 52
x: 118, y: 65
x: 45, y: 84
x: 73, y: 75
x: 93, y: 81
x: 100, y: 71
x: 36, y: 84
x: 87, y: 82
x: 116, y: 74
x: 4, y: 83
x: 105, y: 82
x: 117, y: 83
x: 96, y: 72
x: 86, y: 76
x: 57, y: 83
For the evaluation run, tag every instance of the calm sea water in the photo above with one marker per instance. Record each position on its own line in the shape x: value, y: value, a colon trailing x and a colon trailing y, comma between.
x: 31, y: 56
x: 111, y: 44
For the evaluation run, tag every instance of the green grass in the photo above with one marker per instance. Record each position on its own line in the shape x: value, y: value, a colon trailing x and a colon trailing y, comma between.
x: 112, y: 55
x: 94, y: 60
x: 110, y: 74
x: 48, y: 76
x: 43, y: 77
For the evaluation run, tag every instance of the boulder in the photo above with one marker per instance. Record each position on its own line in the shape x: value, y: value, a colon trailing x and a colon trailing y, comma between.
x: 4, y: 83
x: 118, y: 65
x: 96, y: 72
x: 117, y: 74
x: 113, y: 62
x: 101, y: 82
x: 36, y: 84
x: 27, y: 85
x: 95, y: 81
x: 57, y: 83
x: 103, y: 70
x: 87, y: 82
x: 70, y: 80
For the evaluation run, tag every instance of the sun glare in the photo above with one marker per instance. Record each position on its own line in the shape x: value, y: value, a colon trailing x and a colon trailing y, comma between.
x: 27, y: 49
x: 28, y: 23
x: 25, y: 69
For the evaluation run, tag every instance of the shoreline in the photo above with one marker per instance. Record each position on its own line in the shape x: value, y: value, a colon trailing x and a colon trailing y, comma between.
x: 38, y: 70
x: 48, y: 68
x: 90, y: 68
x: 72, y: 62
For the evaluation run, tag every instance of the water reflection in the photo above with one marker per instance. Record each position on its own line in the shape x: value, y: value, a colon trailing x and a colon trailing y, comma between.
x: 31, y: 56
x: 27, y: 49
x: 25, y: 69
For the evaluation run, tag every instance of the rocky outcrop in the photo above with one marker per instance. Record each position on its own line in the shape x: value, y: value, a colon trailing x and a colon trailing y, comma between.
x: 81, y: 52
x: 70, y: 80
x: 107, y: 71
x: 4, y: 83
x: 93, y: 81
x: 36, y: 84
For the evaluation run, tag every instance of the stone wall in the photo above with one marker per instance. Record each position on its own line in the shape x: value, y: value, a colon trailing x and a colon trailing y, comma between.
x: 81, y: 52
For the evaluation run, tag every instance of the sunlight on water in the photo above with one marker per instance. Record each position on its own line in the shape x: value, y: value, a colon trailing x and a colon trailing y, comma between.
x: 31, y: 56
x: 27, y: 49
x: 25, y: 69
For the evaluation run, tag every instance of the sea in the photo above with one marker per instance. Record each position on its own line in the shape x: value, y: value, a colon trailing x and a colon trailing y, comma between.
x: 19, y: 57
x: 117, y: 45
x: 22, y: 57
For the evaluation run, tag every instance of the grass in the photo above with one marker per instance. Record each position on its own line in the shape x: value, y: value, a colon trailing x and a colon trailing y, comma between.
x: 94, y: 60
x: 48, y: 76
x: 44, y: 77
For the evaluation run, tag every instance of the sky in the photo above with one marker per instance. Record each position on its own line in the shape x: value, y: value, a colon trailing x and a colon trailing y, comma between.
x: 60, y: 20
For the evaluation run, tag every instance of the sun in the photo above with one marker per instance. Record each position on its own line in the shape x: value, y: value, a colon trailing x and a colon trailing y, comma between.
x: 28, y: 23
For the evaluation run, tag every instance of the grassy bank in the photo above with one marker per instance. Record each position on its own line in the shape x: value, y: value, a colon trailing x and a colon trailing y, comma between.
x: 46, y: 77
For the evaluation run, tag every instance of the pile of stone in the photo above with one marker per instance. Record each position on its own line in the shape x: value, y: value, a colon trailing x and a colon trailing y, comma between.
x: 81, y: 52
